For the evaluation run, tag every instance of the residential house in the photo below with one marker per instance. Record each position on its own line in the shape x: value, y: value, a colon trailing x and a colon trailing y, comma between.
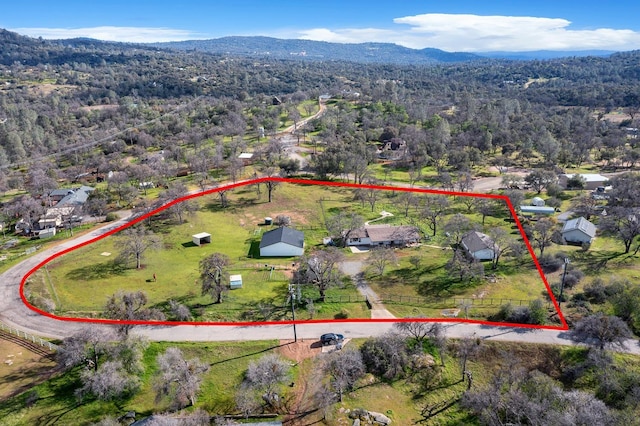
x: 478, y: 245
x: 282, y: 242
x: 578, y: 230
x: 75, y: 196
x: 55, y: 216
x: 383, y: 235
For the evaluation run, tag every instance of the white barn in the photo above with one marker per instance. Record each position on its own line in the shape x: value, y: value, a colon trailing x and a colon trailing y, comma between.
x: 578, y: 230
x: 282, y: 242
x: 478, y: 245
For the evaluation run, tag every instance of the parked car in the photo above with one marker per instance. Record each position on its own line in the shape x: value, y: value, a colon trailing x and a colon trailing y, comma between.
x: 331, y: 338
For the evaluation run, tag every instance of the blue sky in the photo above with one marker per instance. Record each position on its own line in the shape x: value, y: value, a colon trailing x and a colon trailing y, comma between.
x: 452, y: 25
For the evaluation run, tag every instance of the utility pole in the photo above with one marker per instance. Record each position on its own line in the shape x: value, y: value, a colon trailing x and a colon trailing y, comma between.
x: 564, y: 274
x: 292, y: 296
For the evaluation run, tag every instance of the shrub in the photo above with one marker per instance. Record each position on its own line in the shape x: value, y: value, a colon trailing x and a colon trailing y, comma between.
x: 386, y: 356
x: 550, y: 263
x: 111, y: 217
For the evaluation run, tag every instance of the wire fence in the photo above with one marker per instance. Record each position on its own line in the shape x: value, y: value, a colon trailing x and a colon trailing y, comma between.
x: 28, y: 337
x: 454, y: 301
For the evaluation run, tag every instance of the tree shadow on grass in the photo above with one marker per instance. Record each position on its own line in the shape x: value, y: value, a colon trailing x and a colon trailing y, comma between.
x: 97, y: 271
x: 248, y: 355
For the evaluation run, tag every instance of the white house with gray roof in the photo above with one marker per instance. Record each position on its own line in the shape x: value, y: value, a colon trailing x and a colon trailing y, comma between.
x: 282, y: 242
x: 578, y: 230
x: 478, y: 245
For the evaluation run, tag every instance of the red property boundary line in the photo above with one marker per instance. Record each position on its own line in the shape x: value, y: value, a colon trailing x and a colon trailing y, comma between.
x: 140, y: 218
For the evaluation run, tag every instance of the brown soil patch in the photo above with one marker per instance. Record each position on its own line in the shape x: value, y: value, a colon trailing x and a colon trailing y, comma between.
x: 300, y: 350
x: 21, y: 369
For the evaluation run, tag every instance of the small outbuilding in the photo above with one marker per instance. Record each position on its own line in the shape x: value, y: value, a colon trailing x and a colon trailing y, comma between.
x: 201, y: 238
x: 478, y: 245
x: 537, y: 201
x: 235, y: 281
x: 282, y: 242
x: 537, y: 210
x: 578, y: 230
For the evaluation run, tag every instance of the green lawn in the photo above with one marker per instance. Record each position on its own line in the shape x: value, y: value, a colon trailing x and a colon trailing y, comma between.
x: 81, y: 281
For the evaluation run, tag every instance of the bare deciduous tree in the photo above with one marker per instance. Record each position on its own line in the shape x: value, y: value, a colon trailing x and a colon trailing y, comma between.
x: 180, y: 311
x: 435, y: 207
x: 266, y: 374
x: 130, y: 306
x: 86, y: 346
x: 343, y: 224
x: 179, y: 210
x: 319, y: 269
x: 344, y: 367
x: 380, y: 257
x: 542, y: 234
x: 109, y: 382
x: 214, y: 275
x: 601, y: 331
x: 178, y: 378
x: 135, y: 242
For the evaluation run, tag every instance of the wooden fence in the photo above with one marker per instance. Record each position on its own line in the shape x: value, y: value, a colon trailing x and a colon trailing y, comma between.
x: 28, y: 337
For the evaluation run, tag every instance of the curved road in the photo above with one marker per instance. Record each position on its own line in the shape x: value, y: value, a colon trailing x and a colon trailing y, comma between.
x: 13, y: 312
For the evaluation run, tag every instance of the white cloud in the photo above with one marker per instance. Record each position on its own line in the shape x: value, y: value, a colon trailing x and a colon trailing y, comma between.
x: 475, y: 33
x: 450, y: 32
x: 110, y: 33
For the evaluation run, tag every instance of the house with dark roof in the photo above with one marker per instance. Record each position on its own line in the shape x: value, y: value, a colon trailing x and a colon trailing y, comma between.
x: 478, y: 245
x: 578, y: 230
x: 383, y: 235
x: 282, y: 242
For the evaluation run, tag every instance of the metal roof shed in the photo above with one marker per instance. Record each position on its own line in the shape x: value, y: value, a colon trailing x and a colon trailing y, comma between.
x: 201, y: 238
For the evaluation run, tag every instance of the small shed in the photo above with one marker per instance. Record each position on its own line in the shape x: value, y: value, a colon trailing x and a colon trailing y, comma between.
x: 201, y: 238
x: 535, y: 210
x: 578, y: 230
x: 235, y: 281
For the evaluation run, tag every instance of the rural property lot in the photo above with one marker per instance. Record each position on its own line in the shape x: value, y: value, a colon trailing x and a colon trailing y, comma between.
x: 423, y: 279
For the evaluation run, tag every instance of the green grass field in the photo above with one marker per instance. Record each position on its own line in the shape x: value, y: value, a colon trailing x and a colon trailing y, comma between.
x: 80, y: 282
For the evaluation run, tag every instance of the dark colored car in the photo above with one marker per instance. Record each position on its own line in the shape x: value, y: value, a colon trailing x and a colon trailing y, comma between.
x: 331, y: 338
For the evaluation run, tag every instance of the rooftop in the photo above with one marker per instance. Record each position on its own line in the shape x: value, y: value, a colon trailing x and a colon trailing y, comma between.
x: 475, y: 241
x: 283, y: 235
x: 580, y: 224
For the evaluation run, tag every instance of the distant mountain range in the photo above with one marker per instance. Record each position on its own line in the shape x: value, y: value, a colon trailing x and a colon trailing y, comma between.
x: 31, y: 50
x: 362, y: 52
x: 320, y: 50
